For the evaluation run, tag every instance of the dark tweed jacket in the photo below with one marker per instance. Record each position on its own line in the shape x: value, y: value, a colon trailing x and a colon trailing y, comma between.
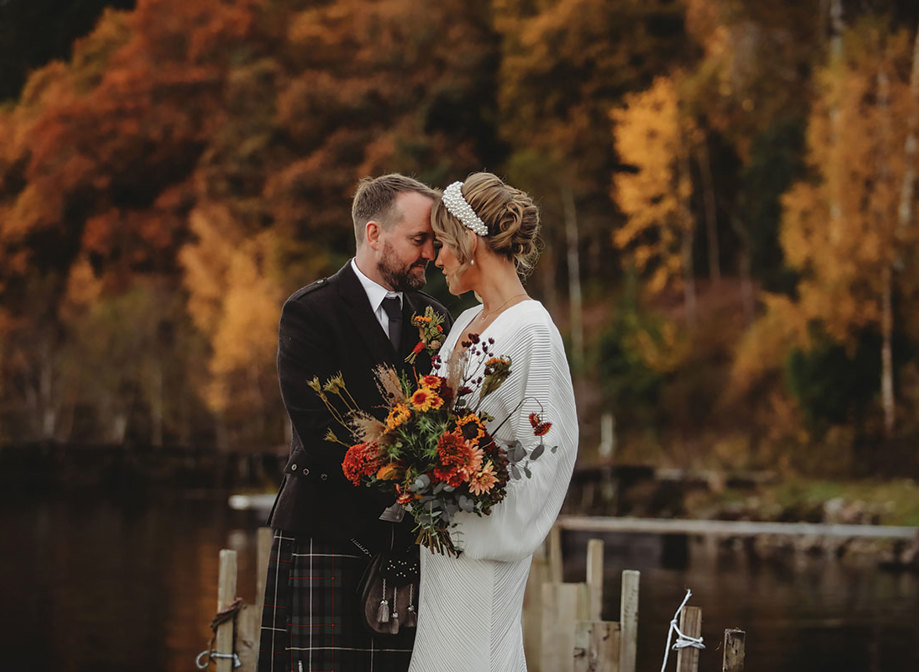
x: 328, y: 327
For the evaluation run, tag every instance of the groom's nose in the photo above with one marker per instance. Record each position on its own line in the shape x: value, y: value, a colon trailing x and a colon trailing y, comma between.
x: 427, y: 250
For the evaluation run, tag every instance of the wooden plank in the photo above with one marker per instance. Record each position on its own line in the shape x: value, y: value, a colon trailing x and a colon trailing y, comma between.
x: 731, y: 528
x: 733, y: 651
x: 596, y: 646
x: 226, y: 594
x: 595, y: 579
x: 628, y: 620
x: 555, y: 554
x: 559, y: 614
x: 687, y: 659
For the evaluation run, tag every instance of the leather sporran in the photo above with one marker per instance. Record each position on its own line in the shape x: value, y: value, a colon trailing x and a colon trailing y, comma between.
x: 388, y: 591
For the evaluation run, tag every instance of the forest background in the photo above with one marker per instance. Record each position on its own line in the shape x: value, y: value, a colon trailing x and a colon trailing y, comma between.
x: 728, y: 192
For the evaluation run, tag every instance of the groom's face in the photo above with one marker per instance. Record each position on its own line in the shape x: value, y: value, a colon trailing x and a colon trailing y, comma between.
x: 406, y: 249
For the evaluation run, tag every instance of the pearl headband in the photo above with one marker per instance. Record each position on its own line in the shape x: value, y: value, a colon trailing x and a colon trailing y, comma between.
x: 458, y: 207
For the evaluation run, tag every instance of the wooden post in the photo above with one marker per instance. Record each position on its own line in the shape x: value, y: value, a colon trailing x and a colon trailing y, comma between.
x: 226, y: 594
x: 532, y: 610
x: 596, y: 646
x: 265, y: 537
x: 555, y: 554
x: 595, y: 579
x: 628, y: 620
x: 249, y: 619
x: 687, y: 659
x: 562, y: 605
x: 733, y: 651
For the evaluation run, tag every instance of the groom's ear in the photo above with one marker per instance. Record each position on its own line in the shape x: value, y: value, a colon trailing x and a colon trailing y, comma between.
x: 372, y: 232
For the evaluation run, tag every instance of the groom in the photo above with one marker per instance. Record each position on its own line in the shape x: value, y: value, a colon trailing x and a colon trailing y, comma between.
x: 324, y: 526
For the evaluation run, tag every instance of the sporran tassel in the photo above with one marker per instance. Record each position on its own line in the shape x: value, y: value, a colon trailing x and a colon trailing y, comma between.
x: 383, y: 611
x: 411, y: 618
x: 394, y: 623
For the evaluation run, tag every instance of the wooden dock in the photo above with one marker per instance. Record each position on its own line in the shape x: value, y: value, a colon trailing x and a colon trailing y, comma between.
x: 732, y: 528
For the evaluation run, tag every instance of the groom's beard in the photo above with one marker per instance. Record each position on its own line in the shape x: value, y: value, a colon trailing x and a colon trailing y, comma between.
x: 401, y: 278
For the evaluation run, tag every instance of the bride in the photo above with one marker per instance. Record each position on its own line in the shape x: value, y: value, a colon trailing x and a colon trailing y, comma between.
x: 469, y: 616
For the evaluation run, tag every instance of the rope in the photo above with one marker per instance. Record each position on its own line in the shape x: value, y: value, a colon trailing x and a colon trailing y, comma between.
x: 683, y: 641
x: 221, y: 617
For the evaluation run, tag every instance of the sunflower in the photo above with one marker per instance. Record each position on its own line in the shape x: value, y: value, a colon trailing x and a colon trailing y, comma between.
x: 400, y: 413
x: 425, y: 399
x: 470, y: 427
x: 432, y: 383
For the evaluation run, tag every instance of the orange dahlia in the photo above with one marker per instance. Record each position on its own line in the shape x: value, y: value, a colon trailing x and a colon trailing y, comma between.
x: 391, y: 471
x: 458, y: 460
x: 483, y: 480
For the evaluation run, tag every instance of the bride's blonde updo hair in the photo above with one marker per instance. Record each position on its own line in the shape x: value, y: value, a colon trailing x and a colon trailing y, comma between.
x: 510, y: 215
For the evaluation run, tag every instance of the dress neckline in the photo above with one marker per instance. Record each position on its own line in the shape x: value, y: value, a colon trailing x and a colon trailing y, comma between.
x: 464, y: 331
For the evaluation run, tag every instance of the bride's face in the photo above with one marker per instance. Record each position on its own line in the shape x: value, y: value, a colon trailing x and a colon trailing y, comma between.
x: 448, y: 263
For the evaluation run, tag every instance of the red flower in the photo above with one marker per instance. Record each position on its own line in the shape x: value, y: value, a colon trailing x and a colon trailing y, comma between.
x: 362, y: 459
x: 542, y: 428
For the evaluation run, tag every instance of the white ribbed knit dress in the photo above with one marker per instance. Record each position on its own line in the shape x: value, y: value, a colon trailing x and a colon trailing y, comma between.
x: 470, y: 607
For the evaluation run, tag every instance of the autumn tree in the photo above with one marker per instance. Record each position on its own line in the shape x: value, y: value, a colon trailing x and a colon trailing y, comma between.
x: 651, y: 136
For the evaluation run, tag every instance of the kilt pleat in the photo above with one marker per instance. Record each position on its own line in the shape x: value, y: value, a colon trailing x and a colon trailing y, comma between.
x: 311, y: 621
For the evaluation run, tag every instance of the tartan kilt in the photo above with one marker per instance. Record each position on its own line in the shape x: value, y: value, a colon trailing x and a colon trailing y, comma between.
x: 311, y: 621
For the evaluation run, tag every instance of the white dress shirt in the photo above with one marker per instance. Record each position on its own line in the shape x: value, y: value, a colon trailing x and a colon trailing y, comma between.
x: 376, y: 293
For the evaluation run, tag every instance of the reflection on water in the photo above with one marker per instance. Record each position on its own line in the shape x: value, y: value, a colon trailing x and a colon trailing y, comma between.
x: 98, y: 587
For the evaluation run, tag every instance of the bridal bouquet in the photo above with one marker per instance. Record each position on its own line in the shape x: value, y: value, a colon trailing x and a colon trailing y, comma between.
x: 433, y: 451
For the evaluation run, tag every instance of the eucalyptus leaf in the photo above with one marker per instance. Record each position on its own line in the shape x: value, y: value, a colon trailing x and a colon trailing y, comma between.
x: 515, y: 472
x: 527, y: 471
x: 465, y: 504
x: 537, y: 451
x: 554, y: 448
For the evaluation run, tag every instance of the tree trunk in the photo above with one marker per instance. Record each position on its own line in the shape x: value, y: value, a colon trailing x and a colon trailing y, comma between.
x: 887, y: 393
x: 574, y: 279
x: 882, y: 215
x: 687, y: 239
x: 711, y: 215
x: 837, y: 165
x: 157, y: 403
x: 46, y: 393
x: 905, y: 211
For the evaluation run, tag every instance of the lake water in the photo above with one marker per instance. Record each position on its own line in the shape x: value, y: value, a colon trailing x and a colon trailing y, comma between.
x: 99, y: 586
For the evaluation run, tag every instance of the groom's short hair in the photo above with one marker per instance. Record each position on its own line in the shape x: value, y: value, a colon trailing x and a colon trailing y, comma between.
x: 375, y: 199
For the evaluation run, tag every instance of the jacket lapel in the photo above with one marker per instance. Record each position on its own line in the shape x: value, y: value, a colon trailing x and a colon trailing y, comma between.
x: 357, y: 307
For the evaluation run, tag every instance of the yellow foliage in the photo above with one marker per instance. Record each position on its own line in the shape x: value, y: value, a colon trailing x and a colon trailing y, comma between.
x: 651, y: 136
x: 840, y: 231
x: 234, y: 299
x: 763, y: 348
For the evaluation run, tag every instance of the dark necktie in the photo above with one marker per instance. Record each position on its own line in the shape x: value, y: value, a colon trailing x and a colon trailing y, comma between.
x: 393, y: 308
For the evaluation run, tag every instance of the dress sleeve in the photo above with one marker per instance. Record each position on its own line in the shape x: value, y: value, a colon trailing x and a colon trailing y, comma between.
x: 539, y: 375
